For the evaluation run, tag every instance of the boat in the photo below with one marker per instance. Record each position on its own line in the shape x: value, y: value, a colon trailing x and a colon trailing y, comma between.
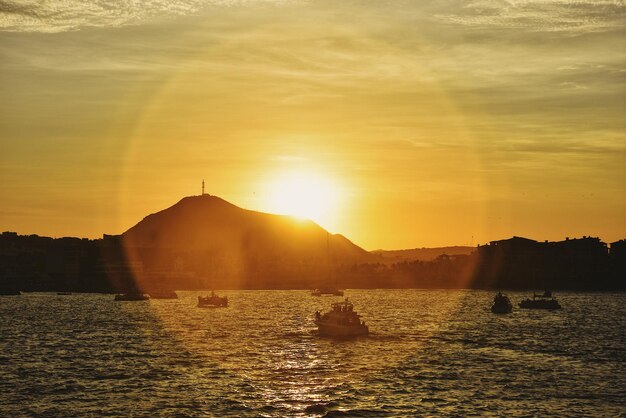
x: 64, y: 293
x: 543, y: 301
x: 212, y: 301
x: 131, y: 297
x: 327, y: 291
x: 501, y: 304
x: 332, y: 291
x: 341, y: 321
x: 163, y: 294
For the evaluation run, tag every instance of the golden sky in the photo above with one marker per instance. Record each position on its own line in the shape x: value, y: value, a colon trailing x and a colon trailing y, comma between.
x: 433, y: 122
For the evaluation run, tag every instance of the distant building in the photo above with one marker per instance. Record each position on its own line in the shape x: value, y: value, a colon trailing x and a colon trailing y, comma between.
x: 618, y: 249
x: 521, y: 263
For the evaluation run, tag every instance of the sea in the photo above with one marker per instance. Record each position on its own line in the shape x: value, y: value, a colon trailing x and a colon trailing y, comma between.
x: 430, y: 353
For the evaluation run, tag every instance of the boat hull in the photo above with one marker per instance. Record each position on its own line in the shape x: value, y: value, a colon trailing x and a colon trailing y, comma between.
x: 131, y: 297
x: 163, y: 295
x: 326, y: 292
x: 501, y: 309
x: 540, y: 304
x: 212, y: 301
x: 10, y: 293
x: 326, y: 329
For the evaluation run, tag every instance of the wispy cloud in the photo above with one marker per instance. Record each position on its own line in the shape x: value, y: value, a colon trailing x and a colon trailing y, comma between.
x: 67, y: 15
x: 440, y: 103
x: 541, y: 15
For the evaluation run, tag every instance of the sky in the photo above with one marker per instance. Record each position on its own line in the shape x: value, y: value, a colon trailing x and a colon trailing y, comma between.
x: 433, y: 122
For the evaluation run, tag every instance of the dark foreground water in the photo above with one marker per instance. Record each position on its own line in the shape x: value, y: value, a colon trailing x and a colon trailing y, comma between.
x: 430, y: 353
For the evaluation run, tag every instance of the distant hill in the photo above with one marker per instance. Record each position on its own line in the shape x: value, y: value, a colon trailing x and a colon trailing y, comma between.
x: 422, y: 254
x: 215, y: 239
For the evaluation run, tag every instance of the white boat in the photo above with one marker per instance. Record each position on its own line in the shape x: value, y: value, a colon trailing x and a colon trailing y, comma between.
x: 341, y: 321
x: 544, y: 301
x: 327, y: 291
x: 131, y: 297
x: 212, y: 301
x: 501, y: 304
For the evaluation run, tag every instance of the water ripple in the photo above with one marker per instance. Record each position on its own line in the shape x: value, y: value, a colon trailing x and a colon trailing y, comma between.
x: 430, y: 353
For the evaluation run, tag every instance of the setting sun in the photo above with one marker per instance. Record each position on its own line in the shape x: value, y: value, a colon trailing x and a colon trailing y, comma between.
x: 303, y: 195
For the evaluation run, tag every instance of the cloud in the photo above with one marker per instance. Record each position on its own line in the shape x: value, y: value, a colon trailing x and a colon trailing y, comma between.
x: 69, y: 15
x: 541, y: 15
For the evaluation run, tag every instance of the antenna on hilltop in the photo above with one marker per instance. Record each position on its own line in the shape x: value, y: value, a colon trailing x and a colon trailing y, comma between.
x: 202, y: 187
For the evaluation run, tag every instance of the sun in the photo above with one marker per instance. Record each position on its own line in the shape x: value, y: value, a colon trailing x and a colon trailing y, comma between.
x: 303, y: 195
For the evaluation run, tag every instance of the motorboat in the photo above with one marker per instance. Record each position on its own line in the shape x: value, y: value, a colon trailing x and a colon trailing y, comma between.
x: 341, y: 321
x: 327, y: 291
x: 131, y: 297
x: 543, y: 301
x: 212, y: 301
x: 501, y: 304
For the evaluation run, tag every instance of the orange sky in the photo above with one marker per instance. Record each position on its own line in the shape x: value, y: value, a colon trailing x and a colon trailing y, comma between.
x: 434, y: 123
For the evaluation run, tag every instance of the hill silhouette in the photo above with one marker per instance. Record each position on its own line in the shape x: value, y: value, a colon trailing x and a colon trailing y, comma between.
x: 422, y: 254
x: 205, y: 242
x: 214, y: 239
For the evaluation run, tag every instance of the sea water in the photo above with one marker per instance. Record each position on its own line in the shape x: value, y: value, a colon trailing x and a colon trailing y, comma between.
x: 430, y: 352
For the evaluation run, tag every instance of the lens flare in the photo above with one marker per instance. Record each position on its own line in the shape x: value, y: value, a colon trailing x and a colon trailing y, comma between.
x: 302, y: 195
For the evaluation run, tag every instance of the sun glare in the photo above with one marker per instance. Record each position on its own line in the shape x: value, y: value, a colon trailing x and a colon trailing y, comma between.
x: 303, y: 195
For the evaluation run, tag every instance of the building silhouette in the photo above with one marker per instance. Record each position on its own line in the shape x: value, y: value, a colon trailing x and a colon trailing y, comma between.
x: 35, y: 263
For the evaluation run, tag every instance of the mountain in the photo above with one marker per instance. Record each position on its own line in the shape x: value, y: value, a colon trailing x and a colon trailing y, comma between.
x: 231, y: 246
x: 421, y: 254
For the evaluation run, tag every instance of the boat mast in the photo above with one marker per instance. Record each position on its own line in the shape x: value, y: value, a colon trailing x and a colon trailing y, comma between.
x: 328, y: 257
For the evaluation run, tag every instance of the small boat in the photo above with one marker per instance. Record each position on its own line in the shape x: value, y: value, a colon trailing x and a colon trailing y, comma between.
x: 327, y: 291
x: 501, y: 304
x: 543, y: 301
x: 212, y: 301
x: 163, y: 294
x: 131, y: 297
x: 341, y: 321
